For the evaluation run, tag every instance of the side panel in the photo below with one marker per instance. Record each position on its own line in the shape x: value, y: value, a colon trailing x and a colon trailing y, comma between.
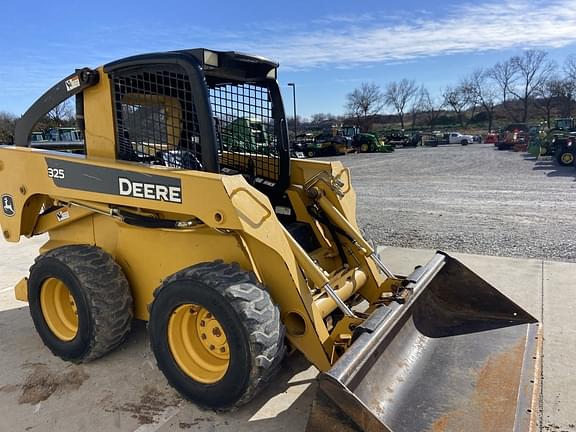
x: 148, y: 256
x: 225, y: 204
x: 99, y: 120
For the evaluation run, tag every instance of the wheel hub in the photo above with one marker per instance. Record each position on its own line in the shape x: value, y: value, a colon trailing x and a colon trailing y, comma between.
x: 568, y: 158
x: 198, y: 343
x: 59, y: 309
x: 211, y: 334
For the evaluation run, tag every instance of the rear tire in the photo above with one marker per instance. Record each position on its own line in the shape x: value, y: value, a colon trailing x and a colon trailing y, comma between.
x: 80, y: 302
x: 240, y: 350
x: 565, y: 158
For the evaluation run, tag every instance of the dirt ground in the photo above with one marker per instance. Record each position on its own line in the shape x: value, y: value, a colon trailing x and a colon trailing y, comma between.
x: 472, y: 199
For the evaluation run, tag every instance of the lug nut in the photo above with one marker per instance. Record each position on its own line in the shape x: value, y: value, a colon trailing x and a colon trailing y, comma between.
x: 216, y: 332
x: 203, y: 336
x: 212, y: 347
x: 202, y: 323
x: 222, y: 349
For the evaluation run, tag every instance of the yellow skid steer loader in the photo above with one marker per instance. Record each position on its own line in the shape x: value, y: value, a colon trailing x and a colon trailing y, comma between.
x: 183, y: 208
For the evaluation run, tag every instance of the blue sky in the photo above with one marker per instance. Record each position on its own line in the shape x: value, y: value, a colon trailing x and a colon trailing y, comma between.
x: 326, y: 47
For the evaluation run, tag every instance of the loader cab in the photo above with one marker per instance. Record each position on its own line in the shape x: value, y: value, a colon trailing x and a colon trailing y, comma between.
x: 203, y: 110
x: 194, y: 109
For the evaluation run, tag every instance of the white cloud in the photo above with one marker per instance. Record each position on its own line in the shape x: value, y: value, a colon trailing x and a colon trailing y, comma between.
x: 384, y: 36
x: 469, y: 28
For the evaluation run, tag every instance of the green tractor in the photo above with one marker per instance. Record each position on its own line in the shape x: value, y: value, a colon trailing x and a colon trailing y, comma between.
x: 247, y: 135
x: 329, y: 144
x: 560, y: 142
x: 364, y: 142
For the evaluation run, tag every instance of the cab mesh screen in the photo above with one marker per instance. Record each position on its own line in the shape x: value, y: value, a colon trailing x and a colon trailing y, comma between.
x: 245, y: 129
x: 156, y: 118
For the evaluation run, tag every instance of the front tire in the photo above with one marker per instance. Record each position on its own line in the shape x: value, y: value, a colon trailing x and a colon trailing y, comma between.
x: 464, y: 142
x: 80, y: 302
x: 216, y: 334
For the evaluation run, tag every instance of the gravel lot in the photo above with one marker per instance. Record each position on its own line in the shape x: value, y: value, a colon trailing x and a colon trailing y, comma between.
x: 471, y: 199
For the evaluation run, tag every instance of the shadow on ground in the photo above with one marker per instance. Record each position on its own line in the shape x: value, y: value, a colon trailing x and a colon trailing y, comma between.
x: 554, y: 169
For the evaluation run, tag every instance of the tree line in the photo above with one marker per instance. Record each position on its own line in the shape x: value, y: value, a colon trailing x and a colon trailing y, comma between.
x: 62, y: 115
x: 518, y: 90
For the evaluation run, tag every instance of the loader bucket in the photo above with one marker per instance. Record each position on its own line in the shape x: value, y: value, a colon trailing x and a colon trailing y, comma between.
x: 457, y: 356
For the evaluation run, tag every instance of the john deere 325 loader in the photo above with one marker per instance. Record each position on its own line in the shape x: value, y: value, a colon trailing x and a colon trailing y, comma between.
x: 184, y: 209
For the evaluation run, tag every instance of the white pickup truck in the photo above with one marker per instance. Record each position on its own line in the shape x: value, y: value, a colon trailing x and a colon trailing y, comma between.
x: 458, y: 138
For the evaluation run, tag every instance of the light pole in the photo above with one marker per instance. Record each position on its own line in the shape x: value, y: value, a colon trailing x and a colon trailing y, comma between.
x: 294, y: 95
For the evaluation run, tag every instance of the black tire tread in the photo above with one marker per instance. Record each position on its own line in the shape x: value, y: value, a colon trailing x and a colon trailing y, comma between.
x: 260, y: 315
x: 108, y: 294
x: 559, y: 158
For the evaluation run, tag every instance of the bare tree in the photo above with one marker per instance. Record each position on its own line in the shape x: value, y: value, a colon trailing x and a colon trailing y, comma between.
x: 570, y: 67
x: 566, y: 90
x: 416, y: 107
x: 458, y: 99
x: 319, y: 119
x: 430, y: 106
x: 569, y: 83
x: 364, y: 103
x: 7, y: 126
x: 399, y: 94
x: 483, y: 87
x: 504, y: 75
x: 61, y: 114
x: 550, y: 91
x: 532, y: 68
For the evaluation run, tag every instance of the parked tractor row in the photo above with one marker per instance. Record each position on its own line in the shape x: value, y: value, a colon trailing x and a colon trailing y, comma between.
x: 559, y: 142
x: 349, y: 139
x: 339, y: 140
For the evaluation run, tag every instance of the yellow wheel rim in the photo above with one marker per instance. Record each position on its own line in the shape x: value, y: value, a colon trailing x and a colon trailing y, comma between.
x: 364, y: 147
x: 198, y: 343
x: 568, y: 158
x: 59, y: 309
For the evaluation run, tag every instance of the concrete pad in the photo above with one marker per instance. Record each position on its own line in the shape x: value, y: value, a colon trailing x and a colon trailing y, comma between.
x: 126, y: 392
x: 559, y: 384
x: 123, y: 391
x: 16, y: 259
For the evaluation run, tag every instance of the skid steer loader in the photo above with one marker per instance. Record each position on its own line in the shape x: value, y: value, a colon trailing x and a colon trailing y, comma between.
x: 185, y: 210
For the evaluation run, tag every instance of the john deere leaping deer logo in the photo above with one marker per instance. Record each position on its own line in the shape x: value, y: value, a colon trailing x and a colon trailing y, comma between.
x: 8, y: 205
